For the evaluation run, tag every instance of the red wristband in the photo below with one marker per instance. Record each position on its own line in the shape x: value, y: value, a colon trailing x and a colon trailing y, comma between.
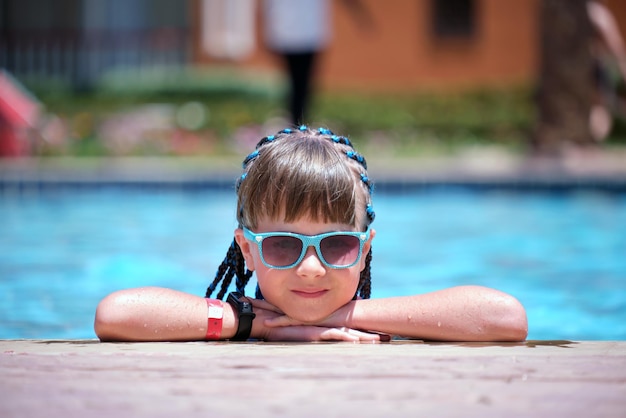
x: 214, y: 319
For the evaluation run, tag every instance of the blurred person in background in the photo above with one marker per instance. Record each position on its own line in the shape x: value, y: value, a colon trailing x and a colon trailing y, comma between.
x: 298, y: 31
x: 609, y: 67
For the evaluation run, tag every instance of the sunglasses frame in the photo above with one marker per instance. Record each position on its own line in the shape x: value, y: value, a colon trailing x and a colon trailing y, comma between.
x: 307, y: 241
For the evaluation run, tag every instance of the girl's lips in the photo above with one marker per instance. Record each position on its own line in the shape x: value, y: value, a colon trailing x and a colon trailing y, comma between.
x: 310, y: 293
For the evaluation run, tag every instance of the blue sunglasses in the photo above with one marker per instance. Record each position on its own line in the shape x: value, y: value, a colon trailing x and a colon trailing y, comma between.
x: 284, y: 250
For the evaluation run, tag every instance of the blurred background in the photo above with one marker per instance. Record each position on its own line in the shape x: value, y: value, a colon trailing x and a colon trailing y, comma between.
x: 410, y: 77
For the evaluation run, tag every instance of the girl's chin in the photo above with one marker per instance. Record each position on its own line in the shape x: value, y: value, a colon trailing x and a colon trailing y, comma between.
x: 310, y: 316
x: 308, y: 311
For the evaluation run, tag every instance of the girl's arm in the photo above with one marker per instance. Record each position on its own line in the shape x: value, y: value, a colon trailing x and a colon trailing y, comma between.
x: 464, y: 313
x: 157, y: 314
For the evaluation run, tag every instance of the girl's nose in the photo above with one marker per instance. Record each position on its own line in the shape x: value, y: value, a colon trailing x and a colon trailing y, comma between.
x: 311, y: 266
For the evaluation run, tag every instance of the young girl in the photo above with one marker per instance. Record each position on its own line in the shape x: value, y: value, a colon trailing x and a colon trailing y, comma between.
x: 304, y: 211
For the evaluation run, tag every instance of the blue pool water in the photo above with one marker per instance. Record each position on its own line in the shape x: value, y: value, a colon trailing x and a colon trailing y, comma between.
x: 561, y: 254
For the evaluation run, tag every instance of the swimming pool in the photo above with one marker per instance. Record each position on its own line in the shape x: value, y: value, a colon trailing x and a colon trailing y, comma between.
x: 560, y: 253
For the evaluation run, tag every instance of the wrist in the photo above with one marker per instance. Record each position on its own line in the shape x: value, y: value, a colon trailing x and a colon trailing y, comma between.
x: 245, y: 315
x: 230, y: 322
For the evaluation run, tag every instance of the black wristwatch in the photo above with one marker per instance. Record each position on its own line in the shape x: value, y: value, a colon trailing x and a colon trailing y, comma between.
x: 245, y: 313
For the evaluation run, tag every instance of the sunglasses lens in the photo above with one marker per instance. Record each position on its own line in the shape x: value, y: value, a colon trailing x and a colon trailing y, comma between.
x: 340, y: 250
x: 281, y: 251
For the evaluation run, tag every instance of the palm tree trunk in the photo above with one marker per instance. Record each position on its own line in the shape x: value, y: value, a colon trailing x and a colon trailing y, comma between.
x: 565, y: 79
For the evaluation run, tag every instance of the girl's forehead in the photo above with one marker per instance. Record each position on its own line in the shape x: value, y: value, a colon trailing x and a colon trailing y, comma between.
x: 303, y: 225
x: 289, y: 208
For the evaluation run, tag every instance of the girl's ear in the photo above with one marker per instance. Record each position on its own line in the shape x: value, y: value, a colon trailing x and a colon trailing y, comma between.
x: 244, y: 244
x: 367, y: 247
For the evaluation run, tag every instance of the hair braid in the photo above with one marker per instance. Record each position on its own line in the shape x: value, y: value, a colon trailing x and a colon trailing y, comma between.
x: 243, y: 274
x: 221, y: 270
x: 364, y: 289
x: 233, y: 265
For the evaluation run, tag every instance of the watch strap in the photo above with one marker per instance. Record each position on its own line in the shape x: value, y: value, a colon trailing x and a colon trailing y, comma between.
x: 245, y: 314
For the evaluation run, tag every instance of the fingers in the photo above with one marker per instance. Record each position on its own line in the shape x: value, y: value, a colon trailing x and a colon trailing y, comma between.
x: 315, y: 333
x: 352, y: 335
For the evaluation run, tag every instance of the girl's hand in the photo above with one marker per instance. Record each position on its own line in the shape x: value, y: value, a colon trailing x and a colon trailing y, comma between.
x: 276, y: 326
x: 315, y: 333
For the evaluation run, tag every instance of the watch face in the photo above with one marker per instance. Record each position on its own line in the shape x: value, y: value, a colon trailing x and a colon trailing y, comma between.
x: 246, y: 307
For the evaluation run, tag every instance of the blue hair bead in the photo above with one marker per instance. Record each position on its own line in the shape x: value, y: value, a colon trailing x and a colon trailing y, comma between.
x: 345, y: 141
x: 366, y: 181
x: 357, y: 157
x: 370, y: 212
x: 286, y: 131
x: 265, y: 141
x: 302, y: 128
x: 324, y: 131
x: 250, y: 157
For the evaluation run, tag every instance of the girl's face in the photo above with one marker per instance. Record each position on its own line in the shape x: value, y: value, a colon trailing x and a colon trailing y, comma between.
x: 310, y: 291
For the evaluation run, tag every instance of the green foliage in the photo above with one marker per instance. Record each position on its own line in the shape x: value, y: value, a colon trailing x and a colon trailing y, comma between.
x: 401, y: 124
x: 444, y: 121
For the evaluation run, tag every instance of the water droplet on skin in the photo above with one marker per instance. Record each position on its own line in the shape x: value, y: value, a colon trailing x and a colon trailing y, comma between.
x: 439, y: 324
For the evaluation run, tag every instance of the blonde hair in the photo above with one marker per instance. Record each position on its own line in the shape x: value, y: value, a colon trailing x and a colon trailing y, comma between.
x: 303, y: 174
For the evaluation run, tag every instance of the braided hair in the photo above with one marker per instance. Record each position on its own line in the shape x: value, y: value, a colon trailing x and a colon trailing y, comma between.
x: 299, y: 173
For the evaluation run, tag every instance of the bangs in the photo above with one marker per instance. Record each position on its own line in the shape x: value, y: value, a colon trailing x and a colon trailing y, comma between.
x: 300, y: 179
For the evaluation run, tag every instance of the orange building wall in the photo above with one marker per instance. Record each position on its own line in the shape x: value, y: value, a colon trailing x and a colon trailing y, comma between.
x: 401, y: 53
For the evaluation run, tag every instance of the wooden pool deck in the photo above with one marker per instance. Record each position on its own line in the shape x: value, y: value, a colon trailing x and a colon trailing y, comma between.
x: 401, y: 378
